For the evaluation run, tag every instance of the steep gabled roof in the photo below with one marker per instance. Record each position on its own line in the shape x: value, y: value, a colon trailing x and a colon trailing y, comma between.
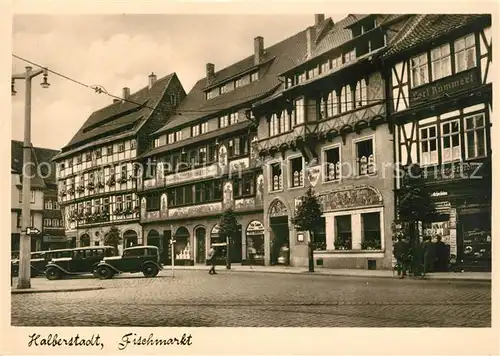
x: 122, y: 116
x: 426, y: 27
x: 42, y: 159
x: 277, y: 58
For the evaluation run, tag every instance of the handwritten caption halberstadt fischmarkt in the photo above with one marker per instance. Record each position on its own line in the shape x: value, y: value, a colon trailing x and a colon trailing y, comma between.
x: 151, y: 340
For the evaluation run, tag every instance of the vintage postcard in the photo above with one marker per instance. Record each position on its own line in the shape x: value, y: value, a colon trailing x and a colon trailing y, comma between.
x: 249, y: 178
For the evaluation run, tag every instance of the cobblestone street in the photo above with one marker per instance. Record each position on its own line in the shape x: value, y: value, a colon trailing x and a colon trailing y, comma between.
x: 193, y: 298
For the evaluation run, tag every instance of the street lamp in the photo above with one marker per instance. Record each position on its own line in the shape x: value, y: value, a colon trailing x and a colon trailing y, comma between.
x: 24, y: 281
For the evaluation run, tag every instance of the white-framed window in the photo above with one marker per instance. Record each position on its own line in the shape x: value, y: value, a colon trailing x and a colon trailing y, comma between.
x: 156, y: 142
x: 254, y: 76
x: 133, y: 144
x: 222, y: 89
x: 361, y: 94
x: 195, y: 130
x: 274, y: 125
x: 337, y: 62
x: 276, y: 177
x: 55, y: 222
x: 428, y: 145
x: 296, y: 172
x: 365, y: 156
x: 441, y: 62
x: 465, y: 53
x: 284, y: 121
x: 314, y: 72
x: 325, y: 67
x: 178, y: 135
x: 121, y: 147
x: 475, y: 136
x: 48, y: 204
x: 332, y: 104
x: 371, y: 232
x: 343, y: 232
x: 332, y: 168
x: 346, y: 99
x: 204, y: 127
x: 349, y: 56
x: 233, y: 118
x: 238, y: 83
x: 47, y: 222
x: 171, y: 137
x: 300, y: 78
x: 419, y: 70
x: 450, y: 141
x: 223, y: 121
x: 299, y: 111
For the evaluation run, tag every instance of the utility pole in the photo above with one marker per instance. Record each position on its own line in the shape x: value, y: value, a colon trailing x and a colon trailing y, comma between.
x: 172, y: 249
x: 24, y: 281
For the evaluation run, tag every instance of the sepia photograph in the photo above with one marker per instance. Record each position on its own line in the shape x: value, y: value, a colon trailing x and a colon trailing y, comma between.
x: 313, y: 170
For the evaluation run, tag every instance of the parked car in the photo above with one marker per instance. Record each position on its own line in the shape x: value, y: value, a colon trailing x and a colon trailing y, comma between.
x: 136, y: 259
x: 76, y: 261
x: 38, y: 261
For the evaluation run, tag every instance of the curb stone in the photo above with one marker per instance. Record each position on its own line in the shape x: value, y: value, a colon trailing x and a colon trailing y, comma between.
x: 33, y: 291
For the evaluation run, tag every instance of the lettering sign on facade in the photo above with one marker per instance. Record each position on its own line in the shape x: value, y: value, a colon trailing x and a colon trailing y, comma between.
x: 445, y: 86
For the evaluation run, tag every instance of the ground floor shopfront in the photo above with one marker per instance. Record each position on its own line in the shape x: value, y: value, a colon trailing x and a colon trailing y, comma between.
x: 194, y: 236
x: 15, y: 242
x: 130, y: 234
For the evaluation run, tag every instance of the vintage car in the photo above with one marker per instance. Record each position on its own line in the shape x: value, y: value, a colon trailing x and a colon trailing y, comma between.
x: 38, y: 261
x: 136, y: 259
x: 77, y: 261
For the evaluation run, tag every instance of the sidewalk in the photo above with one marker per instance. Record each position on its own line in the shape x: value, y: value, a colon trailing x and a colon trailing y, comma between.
x: 450, y: 276
x: 38, y: 286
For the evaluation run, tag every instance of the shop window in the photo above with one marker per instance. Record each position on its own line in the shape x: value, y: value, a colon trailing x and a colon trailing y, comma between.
x: 361, y: 95
x: 419, y: 70
x: 371, y: 231
x: 465, y: 53
x: 428, y: 146
x: 440, y: 62
x: 343, y: 232
x: 297, y: 172
x: 333, y: 165
x: 320, y: 236
x: 299, y: 112
x: 475, y: 136
x: 450, y: 141
x: 276, y: 177
x: 152, y: 202
x: 365, y: 157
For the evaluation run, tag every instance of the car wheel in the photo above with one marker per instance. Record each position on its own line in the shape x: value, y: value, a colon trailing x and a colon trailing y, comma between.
x: 104, y: 272
x: 52, y: 273
x: 150, y: 270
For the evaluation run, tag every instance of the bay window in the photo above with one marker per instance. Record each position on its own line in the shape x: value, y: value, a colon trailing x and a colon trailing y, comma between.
x: 450, y: 141
x: 428, y: 145
x: 419, y: 70
x: 475, y: 136
x: 440, y: 62
x: 465, y: 53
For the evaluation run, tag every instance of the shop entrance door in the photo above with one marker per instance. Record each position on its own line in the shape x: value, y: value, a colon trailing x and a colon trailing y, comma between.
x: 280, y: 239
x: 200, y: 245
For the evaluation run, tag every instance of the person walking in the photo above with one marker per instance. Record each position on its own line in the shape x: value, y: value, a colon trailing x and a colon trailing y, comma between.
x: 211, y: 260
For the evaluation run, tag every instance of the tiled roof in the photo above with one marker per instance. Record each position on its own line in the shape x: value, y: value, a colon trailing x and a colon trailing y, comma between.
x: 121, y: 116
x: 278, y: 57
x: 41, y: 157
x: 422, y: 28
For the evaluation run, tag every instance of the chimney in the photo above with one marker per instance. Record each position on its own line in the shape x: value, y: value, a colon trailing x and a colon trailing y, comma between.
x: 210, y: 72
x: 319, y: 19
x: 311, y: 40
x: 152, y: 79
x: 126, y: 93
x: 258, y: 46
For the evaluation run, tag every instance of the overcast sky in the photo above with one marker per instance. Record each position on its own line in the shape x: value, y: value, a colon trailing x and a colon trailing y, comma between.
x: 122, y: 50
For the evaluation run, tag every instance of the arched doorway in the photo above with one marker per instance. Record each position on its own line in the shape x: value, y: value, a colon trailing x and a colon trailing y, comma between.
x: 255, y: 241
x: 154, y: 239
x: 201, y: 250
x: 84, y: 240
x: 129, y: 238
x: 182, y: 244
x: 280, y: 233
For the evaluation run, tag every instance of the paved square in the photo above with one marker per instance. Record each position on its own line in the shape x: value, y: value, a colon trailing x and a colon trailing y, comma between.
x: 193, y: 298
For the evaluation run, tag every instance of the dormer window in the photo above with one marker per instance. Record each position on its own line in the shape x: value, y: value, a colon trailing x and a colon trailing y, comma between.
x: 349, y: 56
x: 178, y: 135
x: 156, y: 142
x: 171, y: 138
x: 254, y: 76
x: 238, y: 82
x: 195, y: 130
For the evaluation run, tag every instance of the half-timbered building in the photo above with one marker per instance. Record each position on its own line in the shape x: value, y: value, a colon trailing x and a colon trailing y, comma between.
x: 440, y: 92
x: 203, y: 160
x: 97, y: 171
x: 327, y: 128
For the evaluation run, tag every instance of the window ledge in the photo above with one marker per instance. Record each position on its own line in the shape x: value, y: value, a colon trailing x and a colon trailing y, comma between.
x: 275, y: 191
x: 349, y: 252
x: 296, y: 188
x: 338, y: 181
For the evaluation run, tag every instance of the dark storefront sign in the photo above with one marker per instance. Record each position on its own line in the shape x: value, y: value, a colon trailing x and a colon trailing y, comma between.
x: 445, y: 86
x: 454, y: 171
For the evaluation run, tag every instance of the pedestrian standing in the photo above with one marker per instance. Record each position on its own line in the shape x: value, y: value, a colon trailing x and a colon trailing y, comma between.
x: 212, y: 260
x: 401, y: 254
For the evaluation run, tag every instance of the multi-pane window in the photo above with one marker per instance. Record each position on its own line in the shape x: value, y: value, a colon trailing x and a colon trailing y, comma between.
x: 47, y: 222
x: 121, y: 147
x: 56, y: 206
x: 297, y: 172
x: 243, y: 186
x: 202, y: 155
x: 153, y: 202
x: 332, y: 164
x: 440, y: 62
x: 79, y: 159
x: 279, y: 124
x: 299, y: 78
x: 465, y: 53
x: 450, y: 141
x: 346, y: 99
x: 212, y: 152
x: 419, y: 70
x: 343, y: 232
x: 223, y: 121
x: 238, y: 83
x: 55, y: 222
x: 156, y: 142
x: 202, y: 192
x: 314, y: 72
x: 254, y: 76
x: 88, y: 156
x: 204, y: 127
x: 428, y: 145
x: 233, y: 118
x: 365, y: 157
x: 371, y: 231
x: 48, y: 204
x: 195, y: 130
x: 349, y: 56
x: 171, y: 137
x: 475, y: 136
x: 299, y: 111
x: 337, y: 62
x: 109, y: 150
x: 276, y: 177
x: 332, y: 104
x: 178, y: 136
x: 325, y: 67
x: 128, y: 202
x: 222, y: 89
x: 361, y: 94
